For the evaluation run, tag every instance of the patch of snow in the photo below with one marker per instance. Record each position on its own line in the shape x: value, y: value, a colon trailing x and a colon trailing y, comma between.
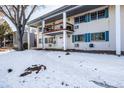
x: 75, y: 70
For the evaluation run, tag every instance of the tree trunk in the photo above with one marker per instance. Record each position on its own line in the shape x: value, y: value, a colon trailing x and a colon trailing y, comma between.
x: 20, y: 41
x: 20, y: 44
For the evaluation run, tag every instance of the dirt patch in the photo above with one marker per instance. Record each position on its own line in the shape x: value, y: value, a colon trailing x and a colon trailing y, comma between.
x: 64, y: 84
x: 33, y: 68
x: 9, y: 70
x: 4, y: 49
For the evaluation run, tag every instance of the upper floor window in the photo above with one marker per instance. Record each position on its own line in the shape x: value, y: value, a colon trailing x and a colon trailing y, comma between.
x: 83, y: 18
x: 93, y: 16
x: 77, y: 20
x: 101, y: 14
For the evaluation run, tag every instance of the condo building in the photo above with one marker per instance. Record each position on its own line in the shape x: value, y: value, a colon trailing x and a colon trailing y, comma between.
x: 82, y: 27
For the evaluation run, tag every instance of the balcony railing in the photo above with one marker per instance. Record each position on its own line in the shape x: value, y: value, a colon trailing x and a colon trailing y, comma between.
x: 58, y: 27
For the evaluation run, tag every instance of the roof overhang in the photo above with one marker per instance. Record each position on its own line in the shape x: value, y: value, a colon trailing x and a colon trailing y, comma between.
x: 57, y: 14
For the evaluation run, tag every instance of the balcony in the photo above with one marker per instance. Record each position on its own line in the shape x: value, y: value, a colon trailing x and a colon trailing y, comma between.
x: 58, y: 28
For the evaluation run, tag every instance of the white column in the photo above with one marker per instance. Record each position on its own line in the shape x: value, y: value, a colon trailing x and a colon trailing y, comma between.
x: 64, y: 20
x: 118, y: 30
x: 28, y: 37
x: 43, y: 39
x: 37, y: 37
x: 64, y: 32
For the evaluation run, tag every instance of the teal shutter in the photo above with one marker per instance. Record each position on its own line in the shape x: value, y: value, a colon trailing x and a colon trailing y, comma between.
x: 73, y: 38
x: 107, y: 36
x: 85, y: 37
x: 106, y: 13
x: 88, y: 17
x: 88, y: 37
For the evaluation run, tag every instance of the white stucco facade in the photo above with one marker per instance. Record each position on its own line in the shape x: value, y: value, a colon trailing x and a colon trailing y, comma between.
x: 94, y: 26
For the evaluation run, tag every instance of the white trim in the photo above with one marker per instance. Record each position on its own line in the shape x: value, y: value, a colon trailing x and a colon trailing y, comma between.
x: 64, y: 31
x: 118, y: 29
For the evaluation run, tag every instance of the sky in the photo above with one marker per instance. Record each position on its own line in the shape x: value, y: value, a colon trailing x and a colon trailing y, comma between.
x: 43, y: 10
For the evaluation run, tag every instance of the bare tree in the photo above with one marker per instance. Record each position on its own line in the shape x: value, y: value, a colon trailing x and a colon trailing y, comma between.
x: 19, y: 16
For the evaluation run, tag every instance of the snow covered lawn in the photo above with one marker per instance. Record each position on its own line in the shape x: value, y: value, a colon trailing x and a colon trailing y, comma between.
x: 77, y: 70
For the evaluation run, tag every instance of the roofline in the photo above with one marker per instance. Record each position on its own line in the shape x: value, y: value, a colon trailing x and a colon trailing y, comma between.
x: 56, y: 12
x: 50, y: 13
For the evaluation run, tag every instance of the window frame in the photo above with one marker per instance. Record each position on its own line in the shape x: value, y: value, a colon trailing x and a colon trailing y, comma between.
x: 95, y: 37
x: 94, y: 18
x: 77, y: 20
x: 101, y: 15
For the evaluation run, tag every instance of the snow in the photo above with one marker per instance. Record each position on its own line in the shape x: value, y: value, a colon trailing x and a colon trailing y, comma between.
x: 75, y: 70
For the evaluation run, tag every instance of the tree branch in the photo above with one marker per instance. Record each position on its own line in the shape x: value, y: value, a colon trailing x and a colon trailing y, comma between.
x: 31, y: 13
x: 1, y: 9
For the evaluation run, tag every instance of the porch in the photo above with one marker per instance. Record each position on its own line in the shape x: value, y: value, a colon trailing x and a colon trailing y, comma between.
x: 58, y: 28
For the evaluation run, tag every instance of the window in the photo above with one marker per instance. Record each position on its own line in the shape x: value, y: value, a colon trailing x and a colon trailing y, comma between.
x: 40, y: 41
x: 98, y: 36
x: 76, y: 20
x: 83, y: 18
x: 101, y: 14
x: 80, y: 37
x: 77, y: 38
x: 94, y: 16
x: 49, y: 40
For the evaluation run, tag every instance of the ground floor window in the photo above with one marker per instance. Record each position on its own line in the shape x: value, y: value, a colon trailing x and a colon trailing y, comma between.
x: 78, y: 38
x: 87, y: 37
x: 97, y: 36
x: 40, y: 41
x: 49, y: 40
